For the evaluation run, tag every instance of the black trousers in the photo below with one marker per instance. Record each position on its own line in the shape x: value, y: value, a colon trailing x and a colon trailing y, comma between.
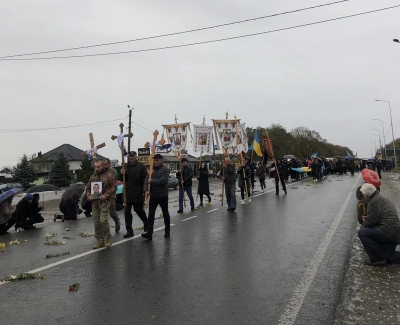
x: 379, y: 172
x: 5, y: 226
x: 138, y: 208
x: 262, y: 183
x: 277, y: 183
x: 153, y: 203
x: 201, y: 197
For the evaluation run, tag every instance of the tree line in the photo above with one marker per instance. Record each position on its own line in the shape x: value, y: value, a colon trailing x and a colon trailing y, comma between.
x: 300, y: 142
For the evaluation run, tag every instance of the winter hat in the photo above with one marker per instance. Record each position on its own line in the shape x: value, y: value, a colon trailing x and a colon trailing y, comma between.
x: 28, y: 197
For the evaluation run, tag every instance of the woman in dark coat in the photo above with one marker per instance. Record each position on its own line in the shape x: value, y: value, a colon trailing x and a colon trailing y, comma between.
x: 204, y: 188
x: 261, y: 176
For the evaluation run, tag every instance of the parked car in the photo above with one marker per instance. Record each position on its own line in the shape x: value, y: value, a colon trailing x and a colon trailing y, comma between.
x: 289, y: 157
x: 211, y: 174
x: 173, y: 182
x: 6, y: 187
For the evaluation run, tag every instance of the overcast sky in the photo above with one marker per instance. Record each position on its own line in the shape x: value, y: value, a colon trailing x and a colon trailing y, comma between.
x: 324, y: 77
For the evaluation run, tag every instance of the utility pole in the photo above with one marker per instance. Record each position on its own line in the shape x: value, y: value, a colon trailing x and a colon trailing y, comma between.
x: 129, y: 128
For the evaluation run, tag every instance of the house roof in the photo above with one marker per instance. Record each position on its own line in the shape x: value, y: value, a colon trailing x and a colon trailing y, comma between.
x: 5, y: 171
x: 70, y: 152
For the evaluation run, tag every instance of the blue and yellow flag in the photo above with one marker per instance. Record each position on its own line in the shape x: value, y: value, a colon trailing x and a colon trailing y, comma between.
x: 255, y: 146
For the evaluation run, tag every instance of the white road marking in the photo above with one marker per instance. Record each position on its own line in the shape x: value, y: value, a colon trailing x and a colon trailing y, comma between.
x: 263, y: 193
x: 293, y: 307
x: 189, y: 218
x: 40, y: 269
x: 212, y: 210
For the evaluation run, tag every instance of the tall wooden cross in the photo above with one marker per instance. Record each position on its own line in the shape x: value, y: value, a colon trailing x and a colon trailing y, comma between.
x: 129, y: 135
x: 92, y: 146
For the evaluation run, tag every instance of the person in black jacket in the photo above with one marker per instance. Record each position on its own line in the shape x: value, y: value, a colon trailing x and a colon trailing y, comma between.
x: 204, y: 187
x: 229, y: 179
x: 158, y: 196
x: 23, y: 214
x: 36, y: 216
x: 185, y: 175
x: 279, y: 169
x: 244, y: 182
x: 135, y: 173
x: 378, y: 166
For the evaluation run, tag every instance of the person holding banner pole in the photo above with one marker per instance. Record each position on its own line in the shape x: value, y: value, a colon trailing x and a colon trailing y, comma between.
x: 198, y: 183
x: 203, y: 186
x: 229, y: 180
x: 279, y: 177
x: 185, y: 175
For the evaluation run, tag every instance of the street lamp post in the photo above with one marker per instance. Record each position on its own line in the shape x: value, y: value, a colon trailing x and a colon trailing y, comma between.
x: 380, y: 140
x: 391, y: 124
x: 384, y: 138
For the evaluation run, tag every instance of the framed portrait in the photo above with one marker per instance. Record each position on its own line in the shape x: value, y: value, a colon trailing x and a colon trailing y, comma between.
x: 202, y: 139
x: 177, y: 139
x: 227, y: 134
x: 96, y: 189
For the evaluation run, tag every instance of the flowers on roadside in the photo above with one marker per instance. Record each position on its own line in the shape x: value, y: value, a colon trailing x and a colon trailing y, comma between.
x: 86, y: 234
x: 23, y: 276
x: 48, y: 236
x: 55, y: 242
x: 48, y: 255
x: 74, y: 287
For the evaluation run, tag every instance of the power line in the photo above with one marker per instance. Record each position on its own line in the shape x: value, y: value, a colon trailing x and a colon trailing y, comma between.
x: 204, y: 42
x: 142, y: 127
x: 145, y: 123
x: 176, y: 33
x: 59, y: 127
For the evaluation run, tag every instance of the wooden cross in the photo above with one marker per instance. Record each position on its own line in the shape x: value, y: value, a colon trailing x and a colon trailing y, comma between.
x: 129, y: 135
x: 161, y: 142
x: 101, y: 145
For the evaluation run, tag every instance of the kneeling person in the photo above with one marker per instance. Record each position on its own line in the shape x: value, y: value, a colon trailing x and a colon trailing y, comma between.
x: 380, y: 230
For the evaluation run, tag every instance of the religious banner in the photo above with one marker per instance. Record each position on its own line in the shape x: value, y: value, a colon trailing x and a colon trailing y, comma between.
x: 243, y: 143
x: 226, y: 133
x: 268, y: 149
x: 202, y: 138
x: 177, y: 136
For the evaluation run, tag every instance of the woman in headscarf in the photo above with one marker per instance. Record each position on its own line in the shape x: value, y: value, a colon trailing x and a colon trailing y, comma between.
x: 204, y: 187
x: 380, y: 230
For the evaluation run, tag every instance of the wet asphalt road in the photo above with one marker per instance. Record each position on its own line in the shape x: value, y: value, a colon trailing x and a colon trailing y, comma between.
x: 217, y: 267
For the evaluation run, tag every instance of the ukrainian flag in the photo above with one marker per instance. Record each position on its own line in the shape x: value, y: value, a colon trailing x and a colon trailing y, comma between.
x: 256, y: 145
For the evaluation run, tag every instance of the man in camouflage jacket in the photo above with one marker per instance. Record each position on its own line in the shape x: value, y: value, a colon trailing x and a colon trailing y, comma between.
x: 101, y: 206
x: 113, y: 212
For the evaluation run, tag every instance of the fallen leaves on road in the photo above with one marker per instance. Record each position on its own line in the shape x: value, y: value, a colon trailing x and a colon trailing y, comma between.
x: 14, y: 242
